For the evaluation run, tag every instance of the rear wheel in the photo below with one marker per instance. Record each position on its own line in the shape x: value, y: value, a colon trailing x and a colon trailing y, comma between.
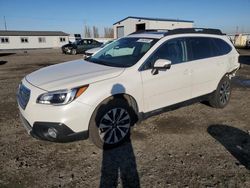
x: 220, y: 98
x: 110, y: 123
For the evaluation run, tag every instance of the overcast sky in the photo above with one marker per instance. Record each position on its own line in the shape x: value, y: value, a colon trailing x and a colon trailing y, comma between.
x: 71, y: 16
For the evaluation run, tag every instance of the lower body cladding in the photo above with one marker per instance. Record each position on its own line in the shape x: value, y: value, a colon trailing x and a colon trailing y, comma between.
x: 55, y: 132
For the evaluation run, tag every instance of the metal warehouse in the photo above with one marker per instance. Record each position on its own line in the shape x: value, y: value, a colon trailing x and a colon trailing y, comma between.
x: 132, y: 24
x: 32, y: 39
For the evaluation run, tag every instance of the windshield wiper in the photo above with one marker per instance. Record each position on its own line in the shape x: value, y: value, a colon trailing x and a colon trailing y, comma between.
x: 98, y: 62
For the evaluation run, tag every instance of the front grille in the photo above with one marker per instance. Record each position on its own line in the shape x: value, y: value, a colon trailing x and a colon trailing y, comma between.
x: 23, y: 96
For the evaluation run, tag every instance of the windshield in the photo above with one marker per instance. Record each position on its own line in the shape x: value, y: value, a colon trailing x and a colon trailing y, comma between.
x: 124, y: 52
x: 106, y: 43
x: 77, y: 42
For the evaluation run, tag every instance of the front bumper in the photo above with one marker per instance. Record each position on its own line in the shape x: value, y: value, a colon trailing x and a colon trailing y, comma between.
x: 66, y: 50
x: 62, y: 133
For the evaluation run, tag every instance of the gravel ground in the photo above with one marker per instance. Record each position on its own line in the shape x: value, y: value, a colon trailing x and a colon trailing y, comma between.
x: 193, y: 146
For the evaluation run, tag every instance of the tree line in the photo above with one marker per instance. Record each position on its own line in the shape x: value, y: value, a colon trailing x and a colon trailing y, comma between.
x: 94, y: 32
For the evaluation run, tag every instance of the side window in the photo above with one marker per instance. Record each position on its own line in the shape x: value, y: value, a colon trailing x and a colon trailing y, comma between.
x: 4, y: 40
x: 222, y: 47
x: 84, y: 42
x: 199, y: 48
x: 62, y: 39
x: 24, y: 39
x: 172, y: 50
x: 90, y: 42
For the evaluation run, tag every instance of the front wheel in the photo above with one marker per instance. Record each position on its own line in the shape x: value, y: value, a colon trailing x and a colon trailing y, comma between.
x: 220, y: 98
x: 73, y: 51
x: 110, y: 124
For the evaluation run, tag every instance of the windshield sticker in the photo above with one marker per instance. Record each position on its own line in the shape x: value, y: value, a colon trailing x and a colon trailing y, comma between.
x: 145, y: 40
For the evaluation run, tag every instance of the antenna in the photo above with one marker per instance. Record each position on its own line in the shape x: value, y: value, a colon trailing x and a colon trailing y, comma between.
x: 5, y: 24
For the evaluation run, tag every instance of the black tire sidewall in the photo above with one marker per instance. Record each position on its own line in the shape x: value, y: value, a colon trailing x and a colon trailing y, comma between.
x: 217, y: 93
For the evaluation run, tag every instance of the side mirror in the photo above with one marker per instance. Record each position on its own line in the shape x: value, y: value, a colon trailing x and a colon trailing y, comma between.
x: 161, y: 64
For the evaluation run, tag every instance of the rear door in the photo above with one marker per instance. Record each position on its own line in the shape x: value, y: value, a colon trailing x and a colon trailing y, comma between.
x: 208, y: 67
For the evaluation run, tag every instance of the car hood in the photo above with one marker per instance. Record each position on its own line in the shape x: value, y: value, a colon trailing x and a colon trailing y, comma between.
x: 71, y: 74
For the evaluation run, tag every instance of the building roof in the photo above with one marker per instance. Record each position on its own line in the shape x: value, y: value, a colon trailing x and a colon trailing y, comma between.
x: 32, y: 33
x: 154, y: 19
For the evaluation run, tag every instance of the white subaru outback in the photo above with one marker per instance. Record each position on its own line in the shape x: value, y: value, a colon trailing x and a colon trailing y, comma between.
x: 103, y: 96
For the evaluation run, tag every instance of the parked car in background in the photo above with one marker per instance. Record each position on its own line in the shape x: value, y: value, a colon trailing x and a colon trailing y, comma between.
x: 248, y: 43
x: 90, y: 52
x: 80, y: 46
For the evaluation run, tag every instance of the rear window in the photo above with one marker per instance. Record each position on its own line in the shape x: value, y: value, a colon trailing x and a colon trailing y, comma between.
x: 206, y: 47
x: 222, y: 47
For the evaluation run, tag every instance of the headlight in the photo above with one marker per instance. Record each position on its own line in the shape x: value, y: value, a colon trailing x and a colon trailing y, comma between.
x: 61, y: 97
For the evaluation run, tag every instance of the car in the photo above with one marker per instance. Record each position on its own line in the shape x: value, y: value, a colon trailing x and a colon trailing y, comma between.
x: 248, y: 44
x: 80, y: 46
x: 90, y: 52
x: 134, y: 77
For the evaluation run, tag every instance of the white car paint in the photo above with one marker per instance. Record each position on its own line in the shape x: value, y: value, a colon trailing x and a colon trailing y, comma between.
x: 71, y: 74
x: 182, y: 82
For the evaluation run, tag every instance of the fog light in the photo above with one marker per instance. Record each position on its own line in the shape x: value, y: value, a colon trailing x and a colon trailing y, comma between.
x: 52, y: 132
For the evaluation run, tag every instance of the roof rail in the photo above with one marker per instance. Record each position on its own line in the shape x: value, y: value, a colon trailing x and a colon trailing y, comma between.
x: 194, y: 30
x: 149, y: 30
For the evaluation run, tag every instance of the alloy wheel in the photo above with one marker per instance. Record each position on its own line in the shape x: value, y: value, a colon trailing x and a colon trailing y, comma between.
x: 225, y: 92
x: 114, y: 125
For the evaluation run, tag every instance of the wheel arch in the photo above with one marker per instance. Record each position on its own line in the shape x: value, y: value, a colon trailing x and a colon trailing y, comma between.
x: 124, y: 96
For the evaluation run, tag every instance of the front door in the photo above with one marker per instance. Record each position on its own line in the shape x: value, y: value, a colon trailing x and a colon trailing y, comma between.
x: 170, y: 86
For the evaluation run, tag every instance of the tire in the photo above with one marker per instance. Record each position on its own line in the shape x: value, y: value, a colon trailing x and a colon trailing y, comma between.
x: 73, y: 51
x: 221, y: 97
x: 110, y: 123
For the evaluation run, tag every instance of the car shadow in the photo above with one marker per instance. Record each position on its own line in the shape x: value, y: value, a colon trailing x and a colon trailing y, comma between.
x: 6, y: 54
x: 3, y: 62
x: 120, y: 163
x: 236, y: 141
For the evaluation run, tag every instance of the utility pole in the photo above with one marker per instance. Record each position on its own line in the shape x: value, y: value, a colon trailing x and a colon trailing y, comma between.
x: 5, y: 24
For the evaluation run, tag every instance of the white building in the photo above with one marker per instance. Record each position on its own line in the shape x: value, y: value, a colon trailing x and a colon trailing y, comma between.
x: 32, y: 39
x: 132, y: 24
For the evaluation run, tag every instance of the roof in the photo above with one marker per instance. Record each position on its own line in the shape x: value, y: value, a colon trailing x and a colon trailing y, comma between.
x: 154, y: 19
x: 160, y: 34
x: 32, y: 33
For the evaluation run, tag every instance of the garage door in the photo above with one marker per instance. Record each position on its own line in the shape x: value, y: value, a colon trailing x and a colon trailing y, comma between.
x: 120, y: 31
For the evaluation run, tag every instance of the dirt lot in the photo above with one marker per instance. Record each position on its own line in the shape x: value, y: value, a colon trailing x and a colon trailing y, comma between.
x: 193, y: 146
